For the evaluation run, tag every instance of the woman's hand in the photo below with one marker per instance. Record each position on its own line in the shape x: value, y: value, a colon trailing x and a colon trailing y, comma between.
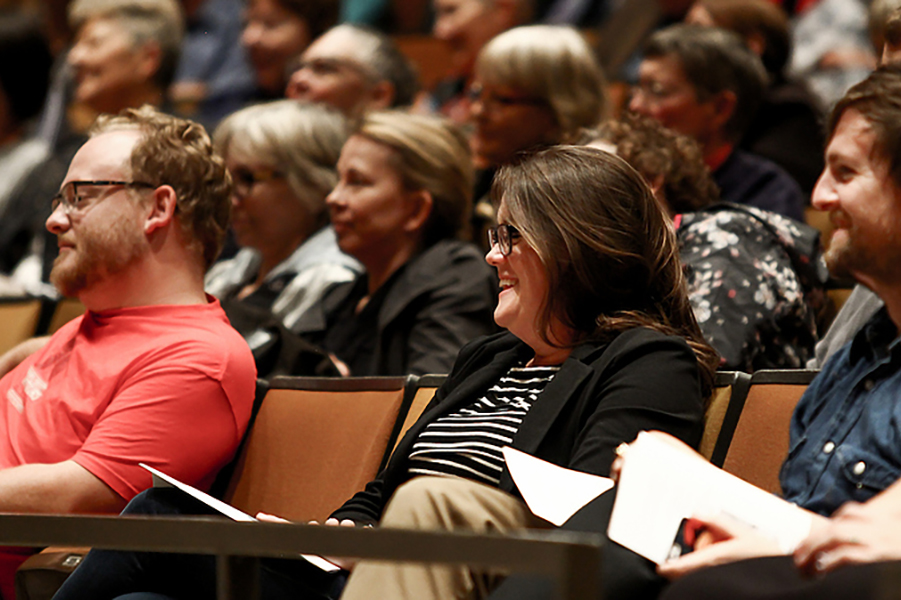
x: 724, y: 540
x: 856, y: 533
x: 623, y: 449
x: 267, y: 518
x: 343, y: 369
x: 345, y: 563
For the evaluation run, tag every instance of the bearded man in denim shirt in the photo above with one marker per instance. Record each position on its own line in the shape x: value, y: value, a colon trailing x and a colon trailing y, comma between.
x: 845, y: 451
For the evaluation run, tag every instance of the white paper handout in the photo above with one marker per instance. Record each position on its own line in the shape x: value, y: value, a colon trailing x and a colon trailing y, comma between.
x: 160, y: 479
x: 660, y: 485
x: 551, y: 492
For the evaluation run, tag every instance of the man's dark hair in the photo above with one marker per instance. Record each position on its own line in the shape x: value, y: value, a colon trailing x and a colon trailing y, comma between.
x: 878, y: 99
x: 388, y: 63
x: 715, y: 60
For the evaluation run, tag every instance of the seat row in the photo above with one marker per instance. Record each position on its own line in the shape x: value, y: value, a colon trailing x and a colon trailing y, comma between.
x: 313, y: 442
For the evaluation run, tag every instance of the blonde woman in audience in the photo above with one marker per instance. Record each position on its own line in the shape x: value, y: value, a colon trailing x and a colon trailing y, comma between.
x: 282, y: 158
x: 400, y: 208
x: 600, y: 344
x: 534, y: 86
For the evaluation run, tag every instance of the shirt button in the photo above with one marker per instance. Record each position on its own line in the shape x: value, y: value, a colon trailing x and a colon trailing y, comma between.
x: 828, y: 447
x: 868, y: 385
x: 860, y: 467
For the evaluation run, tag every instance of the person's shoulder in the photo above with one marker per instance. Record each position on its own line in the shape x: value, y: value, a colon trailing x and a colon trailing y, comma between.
x: 453, y: 252
x: 481, y: 351
x: 322, y: 248
x: 450, y: 261
x: 213, y: 344
x: 754, y: 165
x: 746, y: 219
x: 631, y: 343
x: 191, y: 327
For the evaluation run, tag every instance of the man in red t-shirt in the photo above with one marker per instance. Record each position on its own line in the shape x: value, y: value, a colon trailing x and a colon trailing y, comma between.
x: 152, y: 372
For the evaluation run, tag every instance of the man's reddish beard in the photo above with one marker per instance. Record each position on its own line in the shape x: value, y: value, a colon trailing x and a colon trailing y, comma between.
x: 98, y: 255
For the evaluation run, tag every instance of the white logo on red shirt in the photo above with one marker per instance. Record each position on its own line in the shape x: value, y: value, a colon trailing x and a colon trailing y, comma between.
x: 33, y: 384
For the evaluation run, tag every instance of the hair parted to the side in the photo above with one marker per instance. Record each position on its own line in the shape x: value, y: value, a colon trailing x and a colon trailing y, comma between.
x: 661, y: 153
x: 157, y: 21
x: 610, y: 253
x: 301, y: 140
x: 878, y: 99
x: 431, y: 154
x: 715, y: 60
x: 383, y: 61
x: 553, y: 63
x: 179, y: 153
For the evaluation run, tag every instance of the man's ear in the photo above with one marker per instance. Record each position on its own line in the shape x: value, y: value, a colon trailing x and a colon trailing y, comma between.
x: 724, y: 104
x: 151, y: 58
x: 161, y: 210
x: 756, y: 42
x: 420, y: 208
x: 381, y: 95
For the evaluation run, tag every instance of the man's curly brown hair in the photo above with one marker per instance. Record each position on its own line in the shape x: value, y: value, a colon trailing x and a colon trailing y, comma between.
x: 179, y: 153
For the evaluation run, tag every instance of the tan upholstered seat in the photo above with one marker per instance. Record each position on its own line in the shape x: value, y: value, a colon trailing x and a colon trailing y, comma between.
x: 423, y: 389
x: 730, y: 390
x: 19, y: 319
x: 760, y: 443
x: 315, y: 442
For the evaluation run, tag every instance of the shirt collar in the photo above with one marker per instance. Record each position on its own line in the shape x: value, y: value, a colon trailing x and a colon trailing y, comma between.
x: 878, y: 338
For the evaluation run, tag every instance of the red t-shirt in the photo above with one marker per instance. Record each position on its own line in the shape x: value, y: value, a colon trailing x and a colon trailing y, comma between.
x: 170, y: 386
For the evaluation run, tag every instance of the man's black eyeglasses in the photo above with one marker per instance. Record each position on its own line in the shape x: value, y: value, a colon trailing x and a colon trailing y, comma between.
x: 72, y: 201
x: 245, y: 179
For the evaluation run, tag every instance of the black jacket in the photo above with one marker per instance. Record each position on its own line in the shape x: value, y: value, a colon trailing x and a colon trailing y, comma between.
x: 440, y: 300
x: 604, y: 394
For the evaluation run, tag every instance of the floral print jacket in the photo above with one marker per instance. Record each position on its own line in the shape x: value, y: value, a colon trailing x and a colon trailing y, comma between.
x: 756, y: 283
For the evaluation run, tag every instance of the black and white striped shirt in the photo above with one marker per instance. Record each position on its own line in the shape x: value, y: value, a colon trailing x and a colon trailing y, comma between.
x: 468, y: 442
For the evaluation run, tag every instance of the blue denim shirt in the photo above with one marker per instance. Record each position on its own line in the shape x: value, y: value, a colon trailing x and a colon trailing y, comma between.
x: 846, y: 430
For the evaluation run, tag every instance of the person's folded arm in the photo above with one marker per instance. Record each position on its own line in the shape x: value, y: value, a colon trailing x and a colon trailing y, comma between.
x: 64, y: 487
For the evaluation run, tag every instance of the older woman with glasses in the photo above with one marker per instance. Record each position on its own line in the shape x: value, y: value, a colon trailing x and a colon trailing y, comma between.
x: 533, y: 87
x: 282, y: 158
x: 600, y: 345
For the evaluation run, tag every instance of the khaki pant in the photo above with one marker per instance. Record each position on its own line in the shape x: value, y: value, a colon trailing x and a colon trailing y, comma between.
x: 442, y: 504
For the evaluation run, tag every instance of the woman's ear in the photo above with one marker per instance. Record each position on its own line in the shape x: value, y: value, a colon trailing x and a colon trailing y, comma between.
x: 161, y: 209
x: 420, y: 209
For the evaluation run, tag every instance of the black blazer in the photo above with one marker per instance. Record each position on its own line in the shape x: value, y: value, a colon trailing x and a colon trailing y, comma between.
x: 604, y: 394
x: 440, y: 300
